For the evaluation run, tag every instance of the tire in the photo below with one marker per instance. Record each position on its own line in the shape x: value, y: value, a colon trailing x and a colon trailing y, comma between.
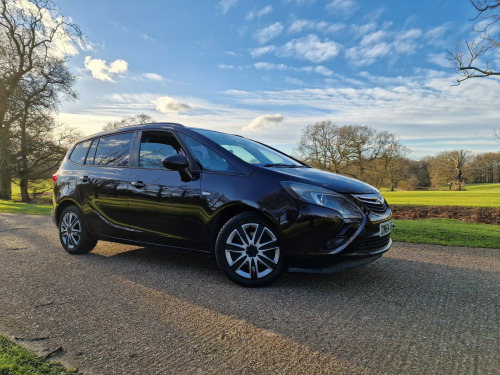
x: 73, y: 232
x: 248, y: 251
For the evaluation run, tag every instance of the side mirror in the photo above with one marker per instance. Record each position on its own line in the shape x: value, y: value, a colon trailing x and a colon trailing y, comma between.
x: 180, y: 164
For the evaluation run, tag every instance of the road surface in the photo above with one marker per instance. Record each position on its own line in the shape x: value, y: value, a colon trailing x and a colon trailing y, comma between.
x: 128, y: 310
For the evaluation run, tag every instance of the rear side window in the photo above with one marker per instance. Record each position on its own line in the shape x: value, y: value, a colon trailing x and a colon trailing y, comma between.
x: 79, y: 153
x: 113, y: 150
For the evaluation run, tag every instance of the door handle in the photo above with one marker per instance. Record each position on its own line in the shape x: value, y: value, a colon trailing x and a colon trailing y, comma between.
x: 138, y: 184
x: 85, y: 179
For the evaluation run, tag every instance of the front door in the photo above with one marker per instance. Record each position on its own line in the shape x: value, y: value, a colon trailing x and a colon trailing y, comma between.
x: 163, y: 209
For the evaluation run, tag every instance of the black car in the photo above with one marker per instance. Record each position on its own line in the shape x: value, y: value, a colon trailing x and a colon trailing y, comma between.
x: 257, y: 210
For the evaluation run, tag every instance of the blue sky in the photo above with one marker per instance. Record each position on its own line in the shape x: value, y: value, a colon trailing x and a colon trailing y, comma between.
x: 266, y: 69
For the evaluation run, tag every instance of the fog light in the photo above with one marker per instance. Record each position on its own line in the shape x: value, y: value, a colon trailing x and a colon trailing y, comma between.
x: 336, y: 242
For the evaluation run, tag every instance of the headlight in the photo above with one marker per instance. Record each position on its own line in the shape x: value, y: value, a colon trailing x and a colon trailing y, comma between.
x: 323, y: 197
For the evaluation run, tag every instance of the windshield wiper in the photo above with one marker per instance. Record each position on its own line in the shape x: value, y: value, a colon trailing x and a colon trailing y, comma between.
x: 282, y: 165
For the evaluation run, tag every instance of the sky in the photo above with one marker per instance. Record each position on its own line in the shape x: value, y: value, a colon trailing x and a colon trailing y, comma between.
x: 266, y: 69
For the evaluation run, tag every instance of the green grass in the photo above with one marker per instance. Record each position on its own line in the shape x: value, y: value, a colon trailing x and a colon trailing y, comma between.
x: 15, y: 360
x: 39, y: 185
x: 25, y: 208
x: 479, y: 195
x: 449, y: 232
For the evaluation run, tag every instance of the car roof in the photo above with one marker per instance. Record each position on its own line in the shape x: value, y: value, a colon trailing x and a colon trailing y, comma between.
x: 152, y: 125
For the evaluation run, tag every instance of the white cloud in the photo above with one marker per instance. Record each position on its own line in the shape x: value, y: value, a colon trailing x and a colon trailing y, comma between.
x: 265, y: 121
x: 225, y: 5
x: 269, y: 66
x: 435, y: 36
x: 266, y: 34
x: 166, y: 104
x: 310, y: 48
x: 153, y: 77
x: 382, y: 43
x: 320, y: 69
x: 360, y: 30
x: 257, y: 14
x: 262, y: 51
x: 294, y: 81
x: 103, y: 71
x: 345, y: 6
x: 299, y: 26
x: 323, y: 70
x: 440, y: 59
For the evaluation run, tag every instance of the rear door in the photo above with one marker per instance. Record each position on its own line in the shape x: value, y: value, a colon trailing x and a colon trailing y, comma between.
x: 103, y: 185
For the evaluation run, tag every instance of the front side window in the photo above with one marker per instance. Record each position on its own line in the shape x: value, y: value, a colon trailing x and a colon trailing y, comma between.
x: 113, y: 150
x: 157, y: 146
x: 207, y: 158
x: 79, y: 153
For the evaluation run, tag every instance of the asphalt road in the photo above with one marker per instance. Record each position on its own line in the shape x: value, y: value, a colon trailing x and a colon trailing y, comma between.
x: 127, y: 310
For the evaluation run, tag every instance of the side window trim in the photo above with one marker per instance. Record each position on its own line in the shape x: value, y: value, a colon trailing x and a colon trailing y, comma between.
x: 92, y: 148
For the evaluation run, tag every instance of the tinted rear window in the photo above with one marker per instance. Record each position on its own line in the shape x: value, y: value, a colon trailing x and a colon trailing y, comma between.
x: 113, y: 150
x: 80, y: 152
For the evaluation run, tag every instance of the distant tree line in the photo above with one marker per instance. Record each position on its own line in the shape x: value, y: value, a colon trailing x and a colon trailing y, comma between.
x: 379, y: 159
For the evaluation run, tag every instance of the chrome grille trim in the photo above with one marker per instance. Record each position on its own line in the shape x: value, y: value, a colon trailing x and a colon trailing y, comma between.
x: 372, y: 203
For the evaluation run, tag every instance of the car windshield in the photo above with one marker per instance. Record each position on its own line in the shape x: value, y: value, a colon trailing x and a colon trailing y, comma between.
x: 250, y: 151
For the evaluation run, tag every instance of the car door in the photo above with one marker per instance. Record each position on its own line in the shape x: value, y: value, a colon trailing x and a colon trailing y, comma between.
x: 163, y: 209
x: 103, y: 185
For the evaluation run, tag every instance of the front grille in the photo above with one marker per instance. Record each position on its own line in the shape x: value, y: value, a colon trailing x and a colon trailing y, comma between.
x: 372, y: 244
x: 372, y: 203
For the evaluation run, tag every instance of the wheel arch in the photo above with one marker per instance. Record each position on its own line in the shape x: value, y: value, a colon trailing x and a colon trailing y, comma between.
x: 61, y: 206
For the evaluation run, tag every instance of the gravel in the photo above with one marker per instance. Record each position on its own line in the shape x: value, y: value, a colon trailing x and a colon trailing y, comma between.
x: 420, y: 309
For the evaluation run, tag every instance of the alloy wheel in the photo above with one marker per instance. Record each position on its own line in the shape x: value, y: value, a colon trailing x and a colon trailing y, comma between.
x: 70, y: 230
x: 252, y: 251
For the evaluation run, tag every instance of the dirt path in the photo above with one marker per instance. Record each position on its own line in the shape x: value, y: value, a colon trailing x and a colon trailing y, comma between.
x: 124, y: 310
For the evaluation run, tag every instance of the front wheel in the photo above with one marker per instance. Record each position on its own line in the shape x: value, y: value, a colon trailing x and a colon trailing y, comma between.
x: 73, y: 233
x: 248, y: 251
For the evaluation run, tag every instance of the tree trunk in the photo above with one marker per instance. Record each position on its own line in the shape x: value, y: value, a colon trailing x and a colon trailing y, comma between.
x: 23, y: 183
x: 5, y: 164
x: 5, y: 189
x: 24, y: 172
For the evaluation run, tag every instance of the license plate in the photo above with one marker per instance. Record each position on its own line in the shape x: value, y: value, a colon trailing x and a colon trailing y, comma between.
x: 385, y: 228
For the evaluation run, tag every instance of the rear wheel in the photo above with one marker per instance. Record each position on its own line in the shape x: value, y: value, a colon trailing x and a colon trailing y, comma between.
x: 248, y: 251
x: 73, y: 233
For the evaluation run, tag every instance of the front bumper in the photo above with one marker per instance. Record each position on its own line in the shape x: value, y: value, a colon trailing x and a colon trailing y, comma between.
x: 321, y: 243
x: 338, y: 266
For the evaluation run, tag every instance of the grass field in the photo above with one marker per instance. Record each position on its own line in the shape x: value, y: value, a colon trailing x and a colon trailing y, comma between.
x: 25, y: 208
x: 480, y: 195
x: 15, y: 360
x: 447, y: 232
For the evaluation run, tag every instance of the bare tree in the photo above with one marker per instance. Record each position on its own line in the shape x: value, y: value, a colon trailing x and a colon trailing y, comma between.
x: 141, y: 118
x: 323, y: 146
x: 37, y: 149
x: 354, y: 150
x: 450, y: 167
x: 32, y: 34
x: 473, y: 59
x: 486, y: 168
